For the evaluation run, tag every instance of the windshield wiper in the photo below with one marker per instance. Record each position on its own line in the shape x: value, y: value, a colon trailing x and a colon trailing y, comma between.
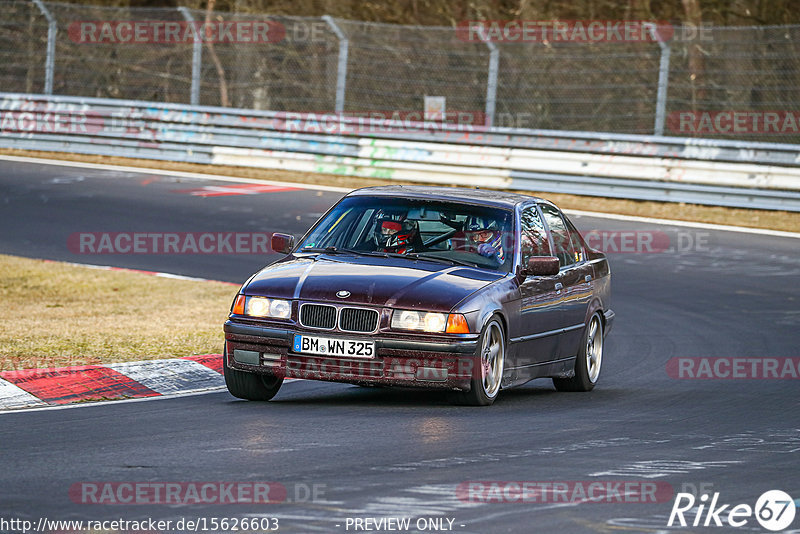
x: 409, y: 256
x: 318, y: 250
x: 451, y: 261
x: 423, y: 256
x: 334, y: 250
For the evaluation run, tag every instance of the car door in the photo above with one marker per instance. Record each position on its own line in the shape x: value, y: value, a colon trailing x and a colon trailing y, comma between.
x: 573, y: 285
x: 540, y: 316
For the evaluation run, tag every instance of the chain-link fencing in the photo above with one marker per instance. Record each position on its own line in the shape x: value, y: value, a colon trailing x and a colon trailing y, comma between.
x: 722, y: 82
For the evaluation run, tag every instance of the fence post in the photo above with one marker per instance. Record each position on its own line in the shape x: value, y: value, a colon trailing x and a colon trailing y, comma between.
x: 197, y: 57
x: 341, y: 70
x: 663, y: 80
x: 49, y: 65
x: 491, y: 83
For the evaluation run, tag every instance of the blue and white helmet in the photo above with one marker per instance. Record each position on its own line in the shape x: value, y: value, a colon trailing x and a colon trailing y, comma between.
x: 484, y: 232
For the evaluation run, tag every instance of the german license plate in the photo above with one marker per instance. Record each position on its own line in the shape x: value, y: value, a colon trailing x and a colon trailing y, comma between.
x: 329, y: 346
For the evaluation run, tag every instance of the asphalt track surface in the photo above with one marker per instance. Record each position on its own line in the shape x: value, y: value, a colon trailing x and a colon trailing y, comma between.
x: 379, y: 453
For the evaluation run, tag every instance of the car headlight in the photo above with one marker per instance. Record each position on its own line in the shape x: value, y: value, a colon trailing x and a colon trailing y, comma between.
x: 280, y: 308
x: 429, y: 321
x: 257, y: 307
x: 262, y: 307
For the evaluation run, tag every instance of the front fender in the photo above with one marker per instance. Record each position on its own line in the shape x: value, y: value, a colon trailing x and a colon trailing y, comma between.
x: 497, y: 298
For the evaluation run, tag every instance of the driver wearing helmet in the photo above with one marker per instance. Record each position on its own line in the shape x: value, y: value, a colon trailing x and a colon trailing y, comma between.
x: 485, y: 238
x: 392, y: 234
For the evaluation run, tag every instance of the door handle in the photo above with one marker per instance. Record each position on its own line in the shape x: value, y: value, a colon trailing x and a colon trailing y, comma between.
x: 559, y: 286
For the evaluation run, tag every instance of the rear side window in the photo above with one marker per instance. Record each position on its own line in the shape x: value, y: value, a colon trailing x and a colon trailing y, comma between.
x: 562, y: 240
x: 577, y: 244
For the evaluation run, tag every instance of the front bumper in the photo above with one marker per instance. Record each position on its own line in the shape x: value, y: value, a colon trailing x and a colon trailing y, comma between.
x: 400, y: 360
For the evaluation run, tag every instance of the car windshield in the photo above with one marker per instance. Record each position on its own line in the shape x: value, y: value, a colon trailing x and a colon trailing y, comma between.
x: 448, y: 232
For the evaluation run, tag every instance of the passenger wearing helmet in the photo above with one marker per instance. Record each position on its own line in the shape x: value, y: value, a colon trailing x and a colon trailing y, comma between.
x: 485, y: 237
x: 394, y: 235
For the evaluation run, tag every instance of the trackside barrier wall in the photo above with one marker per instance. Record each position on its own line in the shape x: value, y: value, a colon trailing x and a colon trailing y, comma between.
x: 704, y: 171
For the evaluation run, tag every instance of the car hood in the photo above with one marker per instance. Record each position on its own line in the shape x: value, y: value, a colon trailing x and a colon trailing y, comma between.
x: 392, y: 282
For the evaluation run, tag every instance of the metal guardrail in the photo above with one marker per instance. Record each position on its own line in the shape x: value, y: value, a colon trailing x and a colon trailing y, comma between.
x: 714, y: 172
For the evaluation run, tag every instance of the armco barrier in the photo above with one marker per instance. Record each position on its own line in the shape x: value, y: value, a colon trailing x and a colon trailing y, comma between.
x: 714, y: 172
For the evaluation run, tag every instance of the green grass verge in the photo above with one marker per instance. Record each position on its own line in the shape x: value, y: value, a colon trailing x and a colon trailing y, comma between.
x: 57, y: 314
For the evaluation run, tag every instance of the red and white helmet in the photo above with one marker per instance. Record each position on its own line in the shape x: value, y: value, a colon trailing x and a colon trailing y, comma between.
x: 393, y: 234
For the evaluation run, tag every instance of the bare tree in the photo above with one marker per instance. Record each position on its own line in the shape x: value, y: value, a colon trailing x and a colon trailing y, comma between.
x: 223, y: 84
x: 694, y: 16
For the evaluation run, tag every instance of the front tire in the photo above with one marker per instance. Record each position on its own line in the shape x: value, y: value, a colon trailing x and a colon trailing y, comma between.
x: 588, y: 361
x: 249, y: 386
x: 491, y: 357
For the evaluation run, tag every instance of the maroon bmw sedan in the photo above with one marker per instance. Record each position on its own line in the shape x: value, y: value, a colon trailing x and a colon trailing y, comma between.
x: 467, y: 290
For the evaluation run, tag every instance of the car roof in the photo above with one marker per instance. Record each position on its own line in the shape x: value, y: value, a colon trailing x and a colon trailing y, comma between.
x: 486, y: 197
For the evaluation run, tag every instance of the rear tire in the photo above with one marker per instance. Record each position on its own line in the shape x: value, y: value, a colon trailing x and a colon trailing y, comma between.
x: 491, y: 357
x: 588, y: 361
x: 249, y: 386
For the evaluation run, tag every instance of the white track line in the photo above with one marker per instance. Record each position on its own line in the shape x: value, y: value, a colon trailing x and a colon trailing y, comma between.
x: 672, y: 222
x: 159, y: 274
x: 109, y: 402
x: 180, y: 174
x: 200, y: 176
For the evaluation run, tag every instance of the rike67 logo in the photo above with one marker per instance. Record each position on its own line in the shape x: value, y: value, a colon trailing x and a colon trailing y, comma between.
x: 774, y: 511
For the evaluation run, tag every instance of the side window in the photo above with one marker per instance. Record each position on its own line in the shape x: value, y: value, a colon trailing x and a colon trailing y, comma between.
x: 533, y: 239
x: 574, y: 236
x: 562, y: 241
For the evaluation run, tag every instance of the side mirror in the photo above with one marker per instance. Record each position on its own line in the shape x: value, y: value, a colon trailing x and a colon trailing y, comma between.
x: 282, y: 243
x: 542, y: 266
